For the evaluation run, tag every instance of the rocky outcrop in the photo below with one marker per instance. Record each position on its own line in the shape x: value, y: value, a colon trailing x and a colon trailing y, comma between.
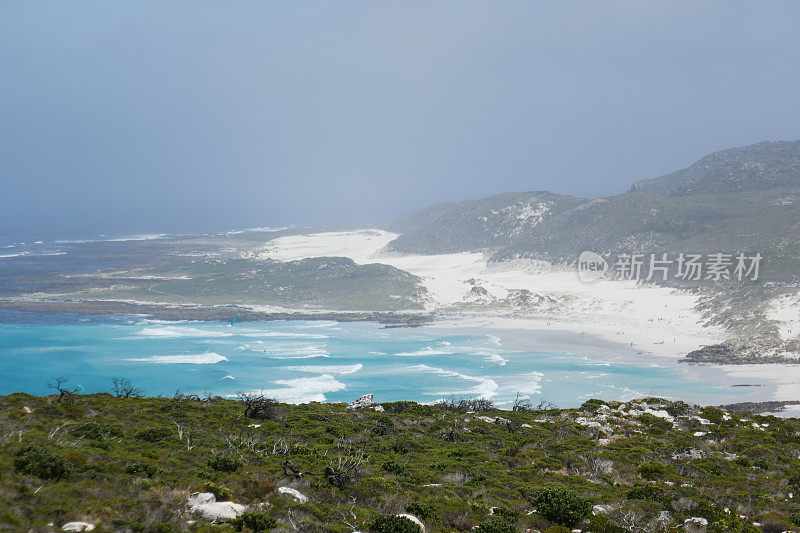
x: 206, y: 506
x: 362, y: 402
x: 747, y: 352
x: 293, y: 493
x: 77, y: 526
x: 695, y: 525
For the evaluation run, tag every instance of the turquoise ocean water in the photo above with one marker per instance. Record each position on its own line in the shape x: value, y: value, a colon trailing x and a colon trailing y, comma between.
x: 299, y: 361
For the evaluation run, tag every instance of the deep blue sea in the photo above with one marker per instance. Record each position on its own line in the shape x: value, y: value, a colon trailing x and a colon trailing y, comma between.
x: 301, y: 361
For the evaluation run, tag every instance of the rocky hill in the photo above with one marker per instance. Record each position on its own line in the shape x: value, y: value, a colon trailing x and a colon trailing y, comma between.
x: 742, y: 199
x: 762, y: 166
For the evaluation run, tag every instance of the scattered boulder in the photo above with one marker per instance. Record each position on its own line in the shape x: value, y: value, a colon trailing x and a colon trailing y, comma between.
x: 690, y: 454
x: 293, y: 493
x: 218, y: 511
x: 204, y: 505
x: 601, y: 510
x: 695, y: 525
x: 77, y: 526
x: 199, y: 498
x: 362, y: 402
x: 26, y: 410
x: 588, y: 423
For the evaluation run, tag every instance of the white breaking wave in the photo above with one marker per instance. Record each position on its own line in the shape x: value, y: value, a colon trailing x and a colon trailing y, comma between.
x: 310, y: 356
x: 146, y: 237
x: 176, y: 331
x: 199, y: 359
x: 530, y: 384
x: 485, y: 388
x: 494, y: 358
x: 287, y: 351
x: 303, y: 390
x: 428, y: 350
x: 281, y: 334
x: 30, y: 254
x: 327, y: 369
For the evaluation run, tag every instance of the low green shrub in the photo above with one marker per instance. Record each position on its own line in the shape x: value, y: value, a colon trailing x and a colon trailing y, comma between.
x: 142, y: 469
x: 393, y: 467
x: 592, y: 405
x: 496, y: 526
x: 254, y: 521
x: 505, y: 513
x: 652, y: 470
x: 423, y: 510
x: 641, y: 491
x: 154, y: 434
x: 41, y: 462
x: 96, y: 430
x: 559, y: 505
x: 220, y: 493
x: 224, y: 464
x: 387, y: 523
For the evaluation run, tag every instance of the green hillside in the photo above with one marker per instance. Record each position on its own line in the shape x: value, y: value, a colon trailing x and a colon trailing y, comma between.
x: 743, y: 199
x: 130, y: 464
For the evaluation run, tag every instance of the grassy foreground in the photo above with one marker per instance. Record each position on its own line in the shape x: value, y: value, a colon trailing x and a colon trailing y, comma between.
x: 129, y: 464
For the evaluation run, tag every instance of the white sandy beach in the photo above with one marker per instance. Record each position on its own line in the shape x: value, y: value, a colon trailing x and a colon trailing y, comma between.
x: 651, y: 319
x: 645, y: 320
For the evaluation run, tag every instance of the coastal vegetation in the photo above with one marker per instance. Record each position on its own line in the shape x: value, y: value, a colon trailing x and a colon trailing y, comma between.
x: 131, y: 463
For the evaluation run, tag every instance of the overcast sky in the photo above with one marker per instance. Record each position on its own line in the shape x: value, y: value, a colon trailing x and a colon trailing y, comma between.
x: 187, y: 116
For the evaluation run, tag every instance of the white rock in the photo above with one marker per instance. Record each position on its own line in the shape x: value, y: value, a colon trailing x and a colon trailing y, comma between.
x: 598, y: 510
x: 588, y: 423
x: 361, y: 402
x: 379, y: 408
x: 293, y: 493
x: 199, y: 498
x: 218, y: 511
x: 691, y: 454
x: 526, y: 426
x: 27, y: 410
x: 77, y: 526
x: 695, y: 525
x: 206, y: 506
x: 415, y: 520
x: 699, y: 433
